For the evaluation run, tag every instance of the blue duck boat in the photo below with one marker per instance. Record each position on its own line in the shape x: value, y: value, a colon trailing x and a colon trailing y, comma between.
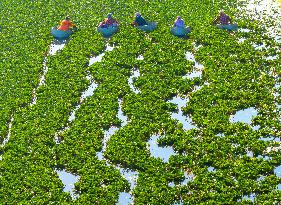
x: 180, y: 31
x: 229, y: 27
x: 107, y: 31
x: 60, y: 34
x: 149, y: 27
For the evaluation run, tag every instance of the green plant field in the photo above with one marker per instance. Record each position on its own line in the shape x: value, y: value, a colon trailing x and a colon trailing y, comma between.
x: 236, y: 76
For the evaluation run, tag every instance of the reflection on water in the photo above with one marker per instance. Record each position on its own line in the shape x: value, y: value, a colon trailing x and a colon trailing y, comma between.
x: 277, y: 171
x: 188, y: 177
x: 196, y: 46
x: 87, y: 93
x: 68, y: 179
x: 244, y: 116
x: 244, y: 30
x: 249, y: 153
x: 7, y: 138
x: 140, y: 57
x: 135, y: 75
x: 270, y: 138
x: 241, y: 40
x: 197, y: 72
x: 163, y: 153
x: 185, y: 120
x: 113, y: 129
x: 211, y: 169
x: 251, y: 197
x: 125, y: 199
x: 190, y: 57
x: 130, y: 175
x: 90, y: 91
x: 264, y: 157
x: 261, y: 178
x: 98, y: 58
x: 54, y: 47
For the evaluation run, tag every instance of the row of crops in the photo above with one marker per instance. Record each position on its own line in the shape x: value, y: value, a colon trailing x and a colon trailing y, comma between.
x: 102, y: 119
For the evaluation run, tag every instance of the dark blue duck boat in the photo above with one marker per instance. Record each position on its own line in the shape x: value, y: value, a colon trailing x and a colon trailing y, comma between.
x: 229, y: 27
x: 107, y: 31
x: 149, y: 27
x: 60, y: 34
x: 180, y: 31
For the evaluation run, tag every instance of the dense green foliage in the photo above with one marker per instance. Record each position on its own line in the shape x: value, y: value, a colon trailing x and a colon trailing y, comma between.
x: 238, y: 77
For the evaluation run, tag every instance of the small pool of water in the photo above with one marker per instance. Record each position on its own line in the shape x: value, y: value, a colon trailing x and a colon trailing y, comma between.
x: 251, y: 197
x: 7, y: 138
x: 125, y: 199
x: 244, y: 30
x: 244, y: 116
x: 277, y: 171
x: 140, y: 57
x: 184, y: 120
x: 277, y: 39
x: 121, y: 115
x: 131, y: 176
x: 87, y: 93
x: 56, y: 46
x: 211, y: 169
x: 164, y: 153
x: 98, y: 58
x: 72, y: 113
x: 112, y: 130
x: 68, y: 179
x: 249, y: 153
x: 264, y: 157
x: 57, y: 135
x: 277, y: 86
x: 270, y: 138
x: 220, y: 135
x: 261, y: 178
x: 193, y: 74
x: 260, y: 46
x: 241, y: 40
x: 256, y: 127
x: 188, y: 177
x: 196, y: 46
x: 90, y: 91
x: 135, y: 75
x: 269, y: 58
x: 190, y: 57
